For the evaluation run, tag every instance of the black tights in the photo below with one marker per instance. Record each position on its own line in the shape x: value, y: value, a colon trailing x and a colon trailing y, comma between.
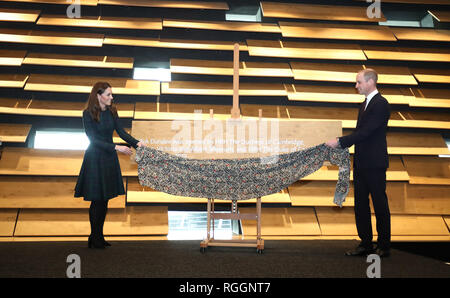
x: 97, y: 215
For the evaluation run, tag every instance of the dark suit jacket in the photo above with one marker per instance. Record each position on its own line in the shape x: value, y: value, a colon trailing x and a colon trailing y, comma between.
x: 369, y: 137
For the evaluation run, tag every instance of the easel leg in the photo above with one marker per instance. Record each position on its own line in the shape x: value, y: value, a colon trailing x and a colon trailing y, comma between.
x: 204, y: 243
x: 259, y: 240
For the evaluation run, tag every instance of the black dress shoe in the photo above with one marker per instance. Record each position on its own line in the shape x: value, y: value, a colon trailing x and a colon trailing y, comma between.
x: 359, y: 251
x: 383, y: 253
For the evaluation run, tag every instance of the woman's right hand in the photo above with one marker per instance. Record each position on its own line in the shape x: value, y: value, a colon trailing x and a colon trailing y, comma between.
x: 124, y: 149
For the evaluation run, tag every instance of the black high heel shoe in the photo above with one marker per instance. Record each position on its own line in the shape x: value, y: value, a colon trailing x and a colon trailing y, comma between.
x: 93, y: 244
x: 106, y: 243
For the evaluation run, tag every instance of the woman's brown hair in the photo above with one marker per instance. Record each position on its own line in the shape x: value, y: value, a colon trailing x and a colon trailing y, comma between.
x: 92, y: 104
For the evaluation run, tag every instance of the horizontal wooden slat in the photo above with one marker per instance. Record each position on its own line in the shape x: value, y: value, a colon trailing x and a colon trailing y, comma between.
x: 51, y: 38
x: 78, y: 60
x: 347, y: 73
x: 441, y: 76
x: 335, y: 31
x: 179, y: 111
x: 316, y: 12
x: 224, y: 26
x: 48, y: 162
x: 219, y: 88
x: 439, y: 2
x: 13, y: 80
x: 340, y: 94
x: 424, y: 119
x: 422, y: 34
x: 428, y: 169
x: 137, y: 193
x: 282, y: 221
x: 335, y: 221
x: 267, y: 111
x: 134, y: 220
x: 288, y: 49
x: 407, y: 54
x: 102, y: 22
x: 427, y: 199
x: 413, y: 143
x: 213, y: 67
x: 14, y: 132
x: 424, y: 97
x: 81, y: 84
x: 11, y: 58
x: 44, y: 192
x: 316, y: 193
x: 172, y: 43
x: 54, y: 108
x: 19, y: 15
x: 7, y: 221
x: 169, y: 4
x: 62, y: 2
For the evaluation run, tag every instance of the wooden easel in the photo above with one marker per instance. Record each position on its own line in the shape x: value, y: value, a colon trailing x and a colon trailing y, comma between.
x: 234, y: 214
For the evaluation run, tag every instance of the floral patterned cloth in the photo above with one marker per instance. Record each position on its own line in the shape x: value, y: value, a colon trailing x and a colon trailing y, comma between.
x: 238, y: 179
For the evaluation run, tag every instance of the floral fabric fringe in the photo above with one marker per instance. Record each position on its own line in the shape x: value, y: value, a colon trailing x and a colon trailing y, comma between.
x: 238, y: 179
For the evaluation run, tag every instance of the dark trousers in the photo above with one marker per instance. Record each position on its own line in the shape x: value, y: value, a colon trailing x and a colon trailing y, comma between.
x: 373, y: 182
x: 97, y: 215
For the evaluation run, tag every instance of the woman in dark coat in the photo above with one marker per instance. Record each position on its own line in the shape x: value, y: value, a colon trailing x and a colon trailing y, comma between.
x: 100, y: 176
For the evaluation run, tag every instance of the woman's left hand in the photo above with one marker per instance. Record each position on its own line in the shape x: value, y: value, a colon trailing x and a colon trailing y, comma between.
x: 140, y: 144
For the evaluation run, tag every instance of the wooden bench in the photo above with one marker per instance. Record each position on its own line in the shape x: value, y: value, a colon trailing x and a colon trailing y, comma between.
x: 14, y: 133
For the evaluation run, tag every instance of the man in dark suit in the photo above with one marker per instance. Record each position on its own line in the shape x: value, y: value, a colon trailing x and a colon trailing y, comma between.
x: 370, y: 162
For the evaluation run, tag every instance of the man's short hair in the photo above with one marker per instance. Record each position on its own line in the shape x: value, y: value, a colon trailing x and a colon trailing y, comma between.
x: 370, y: 73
